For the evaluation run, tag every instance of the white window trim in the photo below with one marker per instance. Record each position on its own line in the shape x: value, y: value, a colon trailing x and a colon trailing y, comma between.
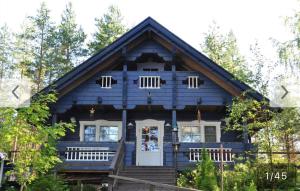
x: 98, y: 124
x: 202, y: 124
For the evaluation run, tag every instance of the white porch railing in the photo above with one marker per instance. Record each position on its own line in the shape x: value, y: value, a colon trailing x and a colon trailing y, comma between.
x: 214, y: 154
x: 88, y: 154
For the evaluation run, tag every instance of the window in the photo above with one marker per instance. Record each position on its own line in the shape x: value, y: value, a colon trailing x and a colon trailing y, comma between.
x: 105, y: 81
x: 100, y: 131
x: 190, y: 134
x: 150, y: 69
x: 108, y: 134
x: 149, y: 82
x: 89, y: 133
x: 193, y: 82
x: 203, y: 131
x: 210, y: 134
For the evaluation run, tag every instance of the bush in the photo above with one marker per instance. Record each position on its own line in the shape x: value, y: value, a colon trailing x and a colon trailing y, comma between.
x: 48, y: 183
x: 241, y: 178
x: 203, y: 177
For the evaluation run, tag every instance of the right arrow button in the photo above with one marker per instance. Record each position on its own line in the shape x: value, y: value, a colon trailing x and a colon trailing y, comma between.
x: 285, y: 92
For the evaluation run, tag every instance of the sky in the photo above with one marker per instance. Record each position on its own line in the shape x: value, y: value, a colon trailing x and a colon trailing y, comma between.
x: 250, y: 20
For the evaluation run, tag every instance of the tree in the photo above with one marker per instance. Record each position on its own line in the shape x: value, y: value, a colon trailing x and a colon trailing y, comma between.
x: 38, y: 34
x: 256, y: 117
x: 204, y: 177
x: 31, y: 140
x: 289, y: 51
x: 223, y: 50
x: 287, y: 123
x: 6, y: 64
x: 71, y: 41
x: 109, y: 28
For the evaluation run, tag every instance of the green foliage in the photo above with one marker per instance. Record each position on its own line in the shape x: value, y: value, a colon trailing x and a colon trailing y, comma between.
x: 203, y: 177
x: 241, y: 178
x: 223, y: 50
x: 45, y: 51
x: 248, y: 112
x: 287, y: 124
x: 70, y: 39
x: 27, y: 133
x: 109, y: 28
x: 289, y: 51
x: 48, y: 183
x: 6, y: 64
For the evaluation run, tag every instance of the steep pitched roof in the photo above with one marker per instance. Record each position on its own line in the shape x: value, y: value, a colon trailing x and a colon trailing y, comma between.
x: 150, y: 24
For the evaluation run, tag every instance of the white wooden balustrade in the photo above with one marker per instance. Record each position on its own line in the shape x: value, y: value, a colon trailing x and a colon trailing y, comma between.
x: 149, y: 82
x: 213, y: 153
x: 88, y: 154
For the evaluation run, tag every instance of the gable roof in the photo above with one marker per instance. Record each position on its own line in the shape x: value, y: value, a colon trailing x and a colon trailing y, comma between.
x: 150, y: 24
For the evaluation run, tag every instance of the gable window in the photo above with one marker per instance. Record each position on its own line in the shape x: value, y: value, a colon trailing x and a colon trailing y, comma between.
x: 150, y: 69
x: 108, y: 133
x: 191, y: 134
x: 193, y: 82
x: 105, y: 81
x: 100, y: 131
x: 210, y: 134
x: 149, y: 82
x: 89, y: 133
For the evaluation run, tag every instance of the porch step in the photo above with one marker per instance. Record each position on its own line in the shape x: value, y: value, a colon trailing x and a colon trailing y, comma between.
x: 165, y: 175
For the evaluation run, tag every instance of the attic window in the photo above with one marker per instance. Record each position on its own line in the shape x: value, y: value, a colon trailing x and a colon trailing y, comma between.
x: 193, y: 82
x: 149, y: 82
x: 106, y: 81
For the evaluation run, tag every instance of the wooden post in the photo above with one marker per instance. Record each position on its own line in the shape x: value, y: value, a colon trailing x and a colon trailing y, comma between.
x: 222, y: 167
x: 124, y: 123
x: 1, y: 172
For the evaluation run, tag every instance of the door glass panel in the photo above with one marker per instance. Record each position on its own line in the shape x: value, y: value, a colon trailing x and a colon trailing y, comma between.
x: 150, y: 139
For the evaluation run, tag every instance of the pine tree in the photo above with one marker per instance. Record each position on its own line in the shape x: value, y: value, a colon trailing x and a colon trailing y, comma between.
x: 71, y: 39
x: 223, y: 50
x: 109, y: 28
x: 6, y: 63
x: 38, y: 34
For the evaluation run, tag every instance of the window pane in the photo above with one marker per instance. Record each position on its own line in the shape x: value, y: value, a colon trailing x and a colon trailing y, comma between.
x: 190, y: 134
x: 149, y: 139
x: 210, y: 134
x: 108, y: 134
x: 89, y: 133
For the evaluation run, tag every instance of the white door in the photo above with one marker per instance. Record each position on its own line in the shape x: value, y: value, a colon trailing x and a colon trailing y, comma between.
x: 149, y: 148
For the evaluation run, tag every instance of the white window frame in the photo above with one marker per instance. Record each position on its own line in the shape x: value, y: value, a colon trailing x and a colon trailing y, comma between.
x: 98, y: 124
x: 201, y: 125
x: 193, y: 82
x: 145, y: 84
x: 107, y: 84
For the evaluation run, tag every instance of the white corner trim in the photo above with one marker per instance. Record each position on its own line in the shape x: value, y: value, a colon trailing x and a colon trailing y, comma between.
x: 201, y: 125
x: 99, y: 123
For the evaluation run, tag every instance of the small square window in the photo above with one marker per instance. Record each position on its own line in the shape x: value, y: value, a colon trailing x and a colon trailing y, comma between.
x: 193, y: 82
x: 105, y: 81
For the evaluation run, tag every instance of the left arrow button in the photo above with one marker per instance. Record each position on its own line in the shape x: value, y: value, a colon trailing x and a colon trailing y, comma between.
x: 14, y: 91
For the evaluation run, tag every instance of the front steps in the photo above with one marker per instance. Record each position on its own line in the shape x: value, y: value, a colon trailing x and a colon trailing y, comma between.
x: 159, y: 174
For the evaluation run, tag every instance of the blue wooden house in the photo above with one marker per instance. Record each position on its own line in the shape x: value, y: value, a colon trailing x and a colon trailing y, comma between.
x: 144, y: 107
